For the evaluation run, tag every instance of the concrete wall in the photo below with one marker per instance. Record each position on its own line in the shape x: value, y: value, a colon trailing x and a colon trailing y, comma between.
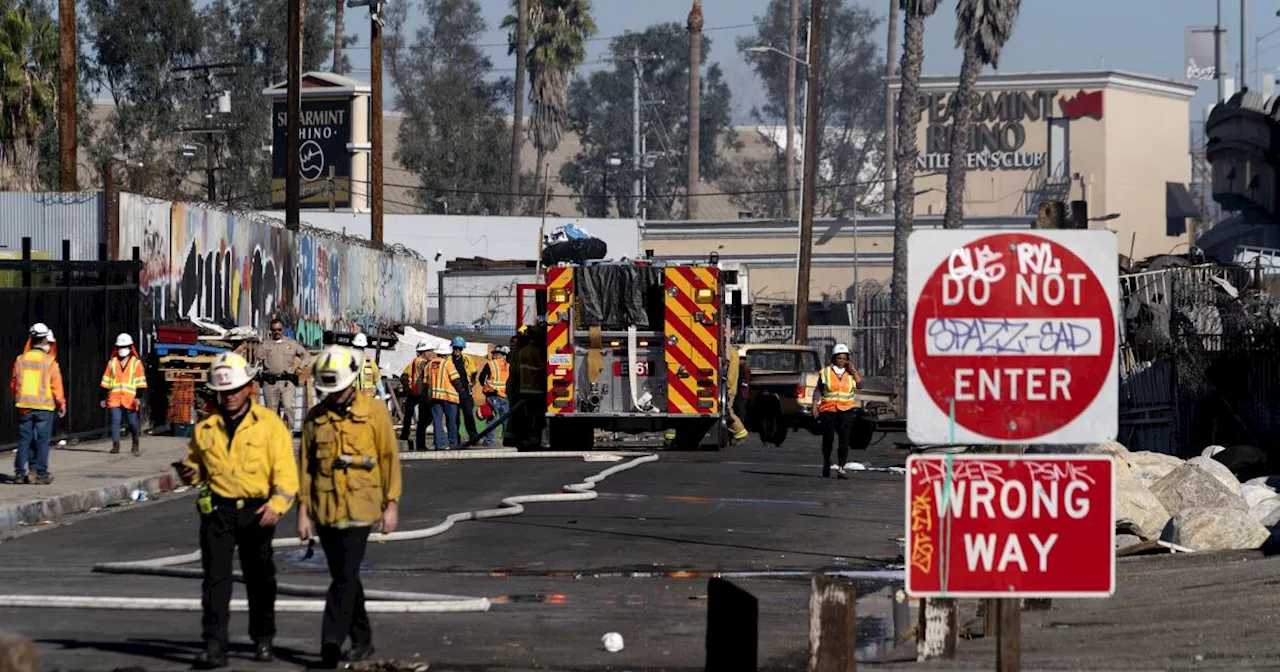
x: 215, y: 265
x: 455, y: 236
x: 479, y: 298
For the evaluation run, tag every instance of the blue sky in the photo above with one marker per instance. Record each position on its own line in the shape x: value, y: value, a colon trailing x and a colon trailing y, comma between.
x: 1144, y: 36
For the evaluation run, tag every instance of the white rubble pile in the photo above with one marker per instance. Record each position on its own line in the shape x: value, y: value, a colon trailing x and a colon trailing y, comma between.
x: 1197, y: 503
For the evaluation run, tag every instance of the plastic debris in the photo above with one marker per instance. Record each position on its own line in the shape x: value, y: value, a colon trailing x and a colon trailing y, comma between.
x: 612, y: 642
x: 62, y: 443
x: 138, y: 495
x: 855, y: 466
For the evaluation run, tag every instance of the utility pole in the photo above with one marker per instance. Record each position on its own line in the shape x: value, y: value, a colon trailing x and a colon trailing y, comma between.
x: 890, y: 150
x: 695, y: 108
x: 67, y: 80
x: 792, y: 64
x: 1217, y: 56
x: 339, y: 8
x: 809, y: 197
x: 213, y: 106
x: 293, y: 114
x: 517, y: 123
x: 375, y: 101
x: 1244, y: 44
x: 635, y: 128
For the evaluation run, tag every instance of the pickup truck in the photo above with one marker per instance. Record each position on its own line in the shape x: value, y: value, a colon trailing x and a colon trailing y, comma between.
x: 780, y: 382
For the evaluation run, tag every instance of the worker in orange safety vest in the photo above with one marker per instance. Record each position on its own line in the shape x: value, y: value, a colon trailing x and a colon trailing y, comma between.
x: 122, y: 380
x: 36, y: 385
x: 493, y: 380
x: 414, y: 379
x: 834, y: 398
x: 443, y: 379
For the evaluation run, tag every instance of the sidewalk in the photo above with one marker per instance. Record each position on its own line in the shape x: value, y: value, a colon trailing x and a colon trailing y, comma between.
x: 87, y: 476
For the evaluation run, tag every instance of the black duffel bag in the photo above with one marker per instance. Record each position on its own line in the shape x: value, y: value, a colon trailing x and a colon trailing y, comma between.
x: 574, y: 251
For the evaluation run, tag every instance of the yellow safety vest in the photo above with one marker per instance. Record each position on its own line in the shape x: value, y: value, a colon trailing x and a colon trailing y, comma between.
x: 837, y: 391
x: 442, y: 374
x: 37, y: 381
x: 369, y: 376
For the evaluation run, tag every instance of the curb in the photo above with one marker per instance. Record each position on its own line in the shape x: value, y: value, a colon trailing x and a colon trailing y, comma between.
x: 80, y: 502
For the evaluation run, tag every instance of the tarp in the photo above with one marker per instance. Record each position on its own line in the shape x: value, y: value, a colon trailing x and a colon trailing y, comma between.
x: 617, y: 296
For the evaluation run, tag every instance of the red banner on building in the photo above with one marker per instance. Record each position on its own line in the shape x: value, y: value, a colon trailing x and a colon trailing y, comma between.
x: 1010, y: 526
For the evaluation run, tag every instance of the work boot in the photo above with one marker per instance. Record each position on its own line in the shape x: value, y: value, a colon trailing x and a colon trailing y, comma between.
x: 842, y: 474
x: 27, y: 478
x: 115, y: 447
x: 42, y: 479
x: 263, y: 651
x: 136, y: 449
x: 212, y: 658
x: 358, y: 652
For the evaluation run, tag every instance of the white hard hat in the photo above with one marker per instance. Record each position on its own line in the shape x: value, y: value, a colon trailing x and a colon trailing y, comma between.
x: 40, y: 330
x: 335, y: 369
x: 51, y: 339
x: 840, y: 349
x: 230, y: 372
x: 124, y: 341
x: 444, y: 349
x: 423, y: 347
x: 359, y: 341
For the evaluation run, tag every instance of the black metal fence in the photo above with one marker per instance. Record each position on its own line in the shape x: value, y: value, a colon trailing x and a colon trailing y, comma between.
x: 86, y: 304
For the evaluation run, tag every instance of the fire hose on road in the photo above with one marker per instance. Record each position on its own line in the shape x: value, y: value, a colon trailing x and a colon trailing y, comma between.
x: 380, y: 601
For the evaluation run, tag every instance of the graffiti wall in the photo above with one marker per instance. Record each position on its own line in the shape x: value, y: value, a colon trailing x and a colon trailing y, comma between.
x: 245, y: 269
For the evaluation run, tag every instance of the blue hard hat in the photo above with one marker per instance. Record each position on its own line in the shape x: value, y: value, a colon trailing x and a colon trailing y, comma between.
x: 459, y: 342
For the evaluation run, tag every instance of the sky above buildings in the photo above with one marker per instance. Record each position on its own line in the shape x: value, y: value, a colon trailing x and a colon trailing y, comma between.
x: 1143, y: 36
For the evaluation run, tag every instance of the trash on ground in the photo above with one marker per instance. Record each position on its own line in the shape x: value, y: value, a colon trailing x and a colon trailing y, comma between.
x: 612, y: 642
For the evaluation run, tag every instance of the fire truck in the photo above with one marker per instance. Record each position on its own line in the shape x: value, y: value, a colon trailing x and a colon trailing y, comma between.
x: 635, y: 347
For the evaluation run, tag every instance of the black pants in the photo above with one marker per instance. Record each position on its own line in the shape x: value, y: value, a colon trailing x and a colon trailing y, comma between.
x: 467, y: 408
x: 837, y: 426
x: 344, y: 612
x: 410, y: 403
x: 424, y: 421
x: 220, y: 533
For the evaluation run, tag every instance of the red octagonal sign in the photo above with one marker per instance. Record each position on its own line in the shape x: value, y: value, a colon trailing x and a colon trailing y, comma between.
x: 1012, y: 337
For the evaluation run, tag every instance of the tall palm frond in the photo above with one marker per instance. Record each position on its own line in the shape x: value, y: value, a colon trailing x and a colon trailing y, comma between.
x: 557, y: 38
x: 28, y: 72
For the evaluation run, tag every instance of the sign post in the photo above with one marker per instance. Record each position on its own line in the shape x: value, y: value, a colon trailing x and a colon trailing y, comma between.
x: 1013, y: 337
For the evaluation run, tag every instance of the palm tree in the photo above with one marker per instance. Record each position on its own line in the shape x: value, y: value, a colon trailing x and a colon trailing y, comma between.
x: 557, y: 35
x: 28, y: 74
x: 982, y: 28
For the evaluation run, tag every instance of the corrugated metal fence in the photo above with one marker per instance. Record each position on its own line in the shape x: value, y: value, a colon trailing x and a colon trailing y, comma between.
x: 49, y: 218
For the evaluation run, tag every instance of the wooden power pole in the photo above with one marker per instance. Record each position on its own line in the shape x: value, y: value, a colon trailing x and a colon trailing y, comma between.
x: 339, y: 9
x: 695, y: 108
x: 375, y: 114
x: 67, y: 80
x: 792, y: 64
x: 292, y: 174
x: 808, y: 199
x: 517, y: 123
x: 890, y: 151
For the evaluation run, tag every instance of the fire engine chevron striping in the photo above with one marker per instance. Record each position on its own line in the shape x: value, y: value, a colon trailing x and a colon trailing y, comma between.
x: 380, y: 601
x: 559, y: 366
x: 696, y: 346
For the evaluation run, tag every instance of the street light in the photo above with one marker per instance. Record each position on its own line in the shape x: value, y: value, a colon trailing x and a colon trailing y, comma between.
x: 762, y: 49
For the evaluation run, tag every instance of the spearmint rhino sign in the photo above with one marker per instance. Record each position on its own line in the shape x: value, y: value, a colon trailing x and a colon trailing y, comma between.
x: 324, y: 160
x: 999, y: 132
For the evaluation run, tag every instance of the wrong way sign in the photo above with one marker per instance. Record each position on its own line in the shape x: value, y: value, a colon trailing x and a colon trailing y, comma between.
x: 1010, y: 526
x: 1012, y: 337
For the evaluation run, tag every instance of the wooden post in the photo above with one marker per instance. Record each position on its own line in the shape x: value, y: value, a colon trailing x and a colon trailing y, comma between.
x: 732, y: 627
x: 111, y: 206
x: 293, y: 107
x: 1009, y: 635
x: 833, y: 633
x: 375, y: 126
x: 67, y: 83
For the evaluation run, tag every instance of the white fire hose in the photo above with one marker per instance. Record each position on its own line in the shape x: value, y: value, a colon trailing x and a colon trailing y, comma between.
x: 379, y: 601
x: 644, y: 403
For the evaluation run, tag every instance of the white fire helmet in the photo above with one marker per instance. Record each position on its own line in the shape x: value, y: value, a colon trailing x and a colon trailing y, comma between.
x: 423, y: 347
x: 335, y: 369
x: 840, y: 349
x: 360, y: 341
x: 124, y: 341
x: 39, y: 330
x: 444, y: 349
x: 230, y: 372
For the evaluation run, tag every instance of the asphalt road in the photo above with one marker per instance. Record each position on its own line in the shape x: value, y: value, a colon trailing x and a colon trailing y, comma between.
x: 560, y: 575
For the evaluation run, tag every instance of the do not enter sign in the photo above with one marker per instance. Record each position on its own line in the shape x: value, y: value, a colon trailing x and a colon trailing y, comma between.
x: 1012, y: 337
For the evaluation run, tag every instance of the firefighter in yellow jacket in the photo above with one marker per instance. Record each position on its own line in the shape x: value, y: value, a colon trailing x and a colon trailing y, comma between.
x: 122, y: 380
x: 36, y: 385
x: 243, y: 456
x: 350, y: 483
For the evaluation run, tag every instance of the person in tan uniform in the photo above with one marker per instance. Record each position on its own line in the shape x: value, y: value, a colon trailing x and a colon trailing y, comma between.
x: 279, y: 358
x: 350, y: 483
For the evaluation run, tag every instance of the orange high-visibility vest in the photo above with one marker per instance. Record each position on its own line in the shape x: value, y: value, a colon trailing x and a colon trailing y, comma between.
x: 442, y: 374
x: 123, y: 379
x: 837, y: 391
x: 37, y: 382
x: 499, y: 372
x: 417, y: 373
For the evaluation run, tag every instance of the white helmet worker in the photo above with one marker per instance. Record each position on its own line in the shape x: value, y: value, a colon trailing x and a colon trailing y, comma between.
x: 335, y: 369
x: 423, y: 347
x: 360, y: 341
x: 840, y: 349
x: 230, y: 372
x: 124, y: 341
x: 39, y: 330
x: 444, y: 349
